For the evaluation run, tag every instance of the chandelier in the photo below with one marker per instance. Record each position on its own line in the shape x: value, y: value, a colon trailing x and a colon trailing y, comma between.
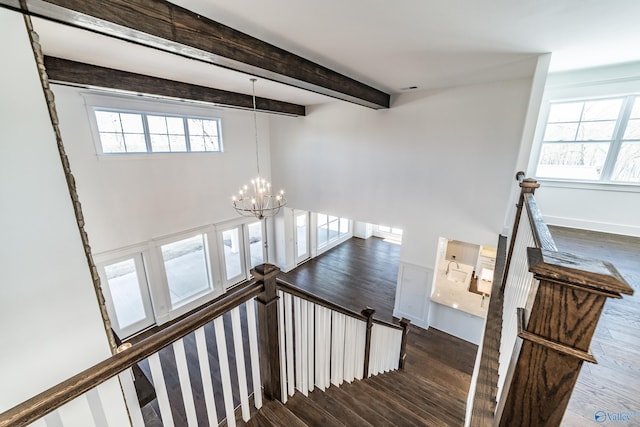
x: 256, y: 199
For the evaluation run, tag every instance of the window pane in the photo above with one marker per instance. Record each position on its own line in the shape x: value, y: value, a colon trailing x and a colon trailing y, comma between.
x: 185, y: 263
x: 197, y: 142
x: 333, y: 229
x: 322, y: 235
x: 301, y: 235
x: 177, y: 143
x: 108, y: 121
x: 232, y: 255
x: 633, y: 129
x: 131, y: 123
x: 210, y: 128
x: 159, y: 143
x: 384, y: 229
x: 112, y: 143
x: 211, y: 143
x: 627, y: 166
x: 122, y: 279
x: 566, y: 112
x: 561, y: 132
x: 397, y: 231
x: 157, y: 124
x: 572, y: 161
x: 135, y: 143
x: 175, y: 125
x: 344, y: 226
x: 635, y: 112
x: 322, y: 219
x: 607, y: 109
x: 596, y: 131
x: 255, y: 243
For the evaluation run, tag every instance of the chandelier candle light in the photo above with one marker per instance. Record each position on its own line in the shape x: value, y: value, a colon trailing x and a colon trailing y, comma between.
x: 256, y: 200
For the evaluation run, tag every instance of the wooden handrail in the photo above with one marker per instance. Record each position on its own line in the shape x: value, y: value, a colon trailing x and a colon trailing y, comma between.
x: 294, y: 290
x: 541, y: 233
x: 56, y: 396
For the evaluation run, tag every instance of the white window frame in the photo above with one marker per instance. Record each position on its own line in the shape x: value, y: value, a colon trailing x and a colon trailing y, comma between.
x: 165, y: 311
x: 330, y: 243
x: 615, y: 142
x: 148, y: 106
x: 141, y: 256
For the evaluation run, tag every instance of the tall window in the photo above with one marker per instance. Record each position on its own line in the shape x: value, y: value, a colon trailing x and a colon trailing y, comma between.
x: 592, y: 140
x: 123, y: 131
x: 187, y: 269
x: 331, y: 228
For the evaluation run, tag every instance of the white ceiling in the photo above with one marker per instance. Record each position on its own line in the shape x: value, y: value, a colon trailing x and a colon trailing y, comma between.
x: 388, y: 45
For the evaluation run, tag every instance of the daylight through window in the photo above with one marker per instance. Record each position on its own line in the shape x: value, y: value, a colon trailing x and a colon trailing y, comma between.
x: 592, y: 140
x: 139, y: 132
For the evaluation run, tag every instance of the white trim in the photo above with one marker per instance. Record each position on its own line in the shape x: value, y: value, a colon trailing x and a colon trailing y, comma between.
x: 603, y: 227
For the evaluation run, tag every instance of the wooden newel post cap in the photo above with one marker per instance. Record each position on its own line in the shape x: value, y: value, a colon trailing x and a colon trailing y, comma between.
x: 529, y: 185
x: 368, y: 312
x: 593, y: 275
x: 265, y: 271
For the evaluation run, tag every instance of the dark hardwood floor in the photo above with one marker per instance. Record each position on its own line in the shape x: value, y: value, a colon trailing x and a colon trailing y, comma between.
x: 612, y: 385
x: 357, y: 274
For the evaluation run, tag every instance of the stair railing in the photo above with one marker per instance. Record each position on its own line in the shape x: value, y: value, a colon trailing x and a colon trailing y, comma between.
x: 313, y: 342
x: 81, y: 395
x: 322, y: 343
x: 551, y: 303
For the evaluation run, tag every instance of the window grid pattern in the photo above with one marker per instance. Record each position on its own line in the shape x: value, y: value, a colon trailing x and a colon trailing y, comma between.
x: 592, y: 140
x: 331, y: 228
x: 124, y: 132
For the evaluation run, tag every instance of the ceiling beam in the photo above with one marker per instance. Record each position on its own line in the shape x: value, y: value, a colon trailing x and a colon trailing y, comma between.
x: 168, y: 27
x: 86, y: 75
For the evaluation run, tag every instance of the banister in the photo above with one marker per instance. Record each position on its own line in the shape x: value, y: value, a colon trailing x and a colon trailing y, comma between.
x: 299, y: 292
x: 541, y: 233
x: 56, y: 396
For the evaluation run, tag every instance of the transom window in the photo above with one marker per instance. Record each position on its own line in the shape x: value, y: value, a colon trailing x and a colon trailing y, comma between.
x: 122, y: 131
x: 592, y: 140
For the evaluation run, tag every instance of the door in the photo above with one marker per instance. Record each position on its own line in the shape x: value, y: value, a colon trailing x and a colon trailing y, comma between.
x: 126, y: 292
x: 301, y: 223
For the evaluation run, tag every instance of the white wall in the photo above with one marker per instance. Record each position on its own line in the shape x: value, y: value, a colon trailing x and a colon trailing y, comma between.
x: 50, y: 324
x: 438, y: 163
x: 599, y: 207
x: 131, y: 199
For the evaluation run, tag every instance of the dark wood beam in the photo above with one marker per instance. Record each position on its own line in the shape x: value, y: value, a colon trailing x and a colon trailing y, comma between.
x: 163, y: 25
x: 77, y: 73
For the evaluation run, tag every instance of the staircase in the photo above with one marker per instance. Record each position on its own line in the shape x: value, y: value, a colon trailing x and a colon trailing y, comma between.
x: 396, y: 398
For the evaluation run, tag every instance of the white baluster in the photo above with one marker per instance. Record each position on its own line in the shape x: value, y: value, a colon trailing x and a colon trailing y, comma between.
x: 319, y: 354
x: 250, y: 305
x: 304, y: 346
x: 238, y: 347
x: 283, y: 353
x: 205, y: 374
x: 161, y: 390
x: 185, y: 382
x: 131, y: 398
x: 297, y: 331
x: 288, y: 323
x: 225, y: 374
x: 311, y: 345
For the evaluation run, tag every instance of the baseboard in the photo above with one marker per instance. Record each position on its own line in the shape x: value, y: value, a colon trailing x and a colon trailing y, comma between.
x: 603, y: 227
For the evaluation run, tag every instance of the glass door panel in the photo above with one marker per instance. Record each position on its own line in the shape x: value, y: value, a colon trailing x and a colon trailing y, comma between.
x: 127, y: 296
x: 302, y: 236
x: 254, y: 235
x: 233, y: 256
x: 187, y: 269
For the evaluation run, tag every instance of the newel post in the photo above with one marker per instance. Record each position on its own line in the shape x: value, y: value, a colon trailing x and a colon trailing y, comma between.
x: 403, y: 346
x: 268, y: 327
x: 570, y: 297
x: 527, y: 185
x: 368, y: 313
